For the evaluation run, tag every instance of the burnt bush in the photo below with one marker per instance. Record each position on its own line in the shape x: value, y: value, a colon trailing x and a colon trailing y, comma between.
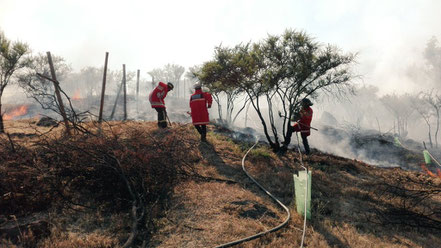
x: 408, y: 202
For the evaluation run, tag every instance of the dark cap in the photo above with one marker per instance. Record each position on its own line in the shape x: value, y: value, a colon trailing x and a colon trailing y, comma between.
x: 306, y: 102
x: 170, y: 86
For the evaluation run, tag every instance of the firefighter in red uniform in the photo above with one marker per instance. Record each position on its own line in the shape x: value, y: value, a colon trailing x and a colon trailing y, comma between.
x: 156, y: 99
x: 199, y: 103
x: 303, y: 125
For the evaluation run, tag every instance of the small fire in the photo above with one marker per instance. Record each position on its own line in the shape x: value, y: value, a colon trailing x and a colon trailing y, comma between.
x: 16, y: 112
x: 77, y: 95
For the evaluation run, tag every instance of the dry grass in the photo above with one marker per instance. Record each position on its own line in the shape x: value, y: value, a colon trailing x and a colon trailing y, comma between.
x: 218, y: 203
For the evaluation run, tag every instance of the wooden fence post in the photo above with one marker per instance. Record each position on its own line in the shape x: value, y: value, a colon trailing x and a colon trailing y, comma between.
x: 125, y: 92
x: 57, y: 92
x: 116, y: 100
x: 137, y: 94
x: 100, y: 118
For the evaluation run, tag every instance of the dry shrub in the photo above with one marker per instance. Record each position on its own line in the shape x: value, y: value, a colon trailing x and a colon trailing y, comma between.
x: 130, y: 171
x: 23, y: 189
x: 408, y: 202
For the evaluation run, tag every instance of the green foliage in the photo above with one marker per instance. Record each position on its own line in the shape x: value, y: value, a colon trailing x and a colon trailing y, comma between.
x: 221, y: 137
x: 12, y: 58
x: 261, y: 152
x: 281, y: 69
x: 223, y: 75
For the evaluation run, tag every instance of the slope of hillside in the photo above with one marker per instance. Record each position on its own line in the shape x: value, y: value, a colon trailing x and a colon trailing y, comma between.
x: 81, y: 201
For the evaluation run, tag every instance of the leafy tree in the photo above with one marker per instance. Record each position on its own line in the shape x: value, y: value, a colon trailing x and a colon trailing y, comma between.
x: 169, y: 73
x: 192, y: 74
x: 12, y: 59
x: 221, y: 77
x: 401, y: 109
x: 282, y: 69
x: 175, y: 73
x: 423, y: 109
x: 428, y: 104
x: 157, y: 75
x: 208, y: 75
x: 432, y: 55
x: 89, y: 79
x: 363, y: 107
x: 428, y: 74
x: 191, y: 77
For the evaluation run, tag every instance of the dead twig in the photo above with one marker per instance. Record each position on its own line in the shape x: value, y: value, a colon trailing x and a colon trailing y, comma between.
x: 11, y: 142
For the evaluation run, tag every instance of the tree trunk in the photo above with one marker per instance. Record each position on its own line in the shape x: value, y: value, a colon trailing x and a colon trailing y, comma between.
x: 230, y: 107
x: 437, y: 128
x: 125, y: 92
x: 430, y: 134
x: 2, y: 128
x: 246, y: 115
x: 137, y: 94
x: 274, y: 146
x: 430, y: 140
x: 219, y: 106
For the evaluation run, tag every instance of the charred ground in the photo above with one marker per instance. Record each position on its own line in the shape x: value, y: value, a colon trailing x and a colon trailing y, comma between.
x: 132, y: 184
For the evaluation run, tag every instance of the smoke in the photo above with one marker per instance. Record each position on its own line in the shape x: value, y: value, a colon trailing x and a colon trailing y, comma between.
x: 346, y: 128
x: 368, y: 148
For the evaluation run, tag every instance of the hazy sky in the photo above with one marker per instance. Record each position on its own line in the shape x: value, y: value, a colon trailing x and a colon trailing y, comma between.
x: 388, y: 35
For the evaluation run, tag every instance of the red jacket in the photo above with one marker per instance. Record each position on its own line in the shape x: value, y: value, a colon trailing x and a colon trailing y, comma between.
x: 199, y: 102
x: 157, y: 96
x: 304, y: 124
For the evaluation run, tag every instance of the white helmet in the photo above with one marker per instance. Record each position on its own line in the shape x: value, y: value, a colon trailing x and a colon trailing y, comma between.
x: 197, y: 85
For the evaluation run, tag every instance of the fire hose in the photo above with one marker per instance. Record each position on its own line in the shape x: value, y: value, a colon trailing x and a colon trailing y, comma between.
x: 306, y: 190
x: 268, y: 193
x: 285, y: 222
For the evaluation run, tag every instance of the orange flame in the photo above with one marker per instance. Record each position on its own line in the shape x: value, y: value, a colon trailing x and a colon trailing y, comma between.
x: 77, y: 95
x: 427, y: 171
x: 16, y: 112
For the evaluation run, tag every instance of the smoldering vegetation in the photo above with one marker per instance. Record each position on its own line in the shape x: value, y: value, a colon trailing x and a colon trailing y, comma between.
x: 129, y: 183
x: 362, y: 126
x: 412, y: 117
x: 131, y: 171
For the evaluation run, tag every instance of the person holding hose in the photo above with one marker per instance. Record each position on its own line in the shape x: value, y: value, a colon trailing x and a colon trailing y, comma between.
x: 156, y: 99
x: 302, y: 124
x: 200, y: 102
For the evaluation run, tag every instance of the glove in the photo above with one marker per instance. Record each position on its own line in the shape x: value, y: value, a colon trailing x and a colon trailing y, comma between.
x: 296, y: 116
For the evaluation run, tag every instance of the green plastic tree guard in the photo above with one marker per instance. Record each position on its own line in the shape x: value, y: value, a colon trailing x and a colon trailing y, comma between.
x: 300, y: 187
x: 397, y: 142
x: 427, y: 157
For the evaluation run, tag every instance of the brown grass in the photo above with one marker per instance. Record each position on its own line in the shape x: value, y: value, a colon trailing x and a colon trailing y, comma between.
x: 218, y: 203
